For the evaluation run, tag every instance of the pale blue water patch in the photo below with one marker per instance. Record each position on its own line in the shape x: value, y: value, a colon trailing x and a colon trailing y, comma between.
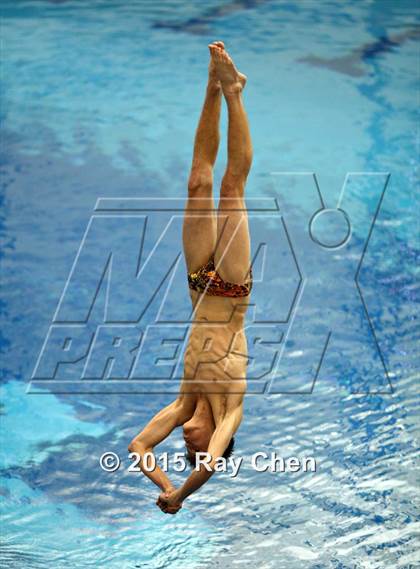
x: 101, y: 99
x: 64, y: 537
x: 32, y: 422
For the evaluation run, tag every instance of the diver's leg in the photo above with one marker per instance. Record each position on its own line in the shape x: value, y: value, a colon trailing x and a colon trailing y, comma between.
x: 232, y: 257
x: 199, y: 231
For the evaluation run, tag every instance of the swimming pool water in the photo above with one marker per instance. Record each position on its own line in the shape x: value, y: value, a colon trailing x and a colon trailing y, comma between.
x: 101, y: 99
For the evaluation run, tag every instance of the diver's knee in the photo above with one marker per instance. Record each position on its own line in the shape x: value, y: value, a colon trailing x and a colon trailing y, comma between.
x: 233, y: 185
x: 200, y: 181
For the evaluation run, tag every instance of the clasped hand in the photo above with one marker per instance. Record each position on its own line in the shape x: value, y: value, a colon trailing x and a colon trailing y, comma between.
x: 169, y: 502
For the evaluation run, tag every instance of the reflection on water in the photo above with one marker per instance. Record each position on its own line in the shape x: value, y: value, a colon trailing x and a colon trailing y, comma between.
x: 350, y: 63
x: 92, y: 108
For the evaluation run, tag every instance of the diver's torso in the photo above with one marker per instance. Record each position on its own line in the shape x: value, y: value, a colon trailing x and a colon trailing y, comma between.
x: 216, y: 356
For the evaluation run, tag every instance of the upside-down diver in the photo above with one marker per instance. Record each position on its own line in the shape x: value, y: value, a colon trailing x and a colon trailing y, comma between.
x: 217, y: 253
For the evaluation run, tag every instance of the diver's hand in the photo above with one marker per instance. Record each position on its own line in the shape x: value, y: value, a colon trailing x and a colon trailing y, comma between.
x: 169, y: 502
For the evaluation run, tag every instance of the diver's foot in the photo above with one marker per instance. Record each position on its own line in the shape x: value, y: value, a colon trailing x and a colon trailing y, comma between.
x: 231, y: 80
x: 214, y: 81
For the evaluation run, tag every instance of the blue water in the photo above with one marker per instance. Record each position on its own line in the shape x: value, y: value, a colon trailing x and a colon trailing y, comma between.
x: 100, y: 100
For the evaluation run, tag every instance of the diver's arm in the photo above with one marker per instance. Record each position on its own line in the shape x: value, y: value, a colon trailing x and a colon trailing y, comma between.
x: 162, y: 424
x: 217, y: 446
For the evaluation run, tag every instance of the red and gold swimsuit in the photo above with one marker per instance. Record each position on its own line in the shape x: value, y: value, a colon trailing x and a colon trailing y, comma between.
x: 207, y: 280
